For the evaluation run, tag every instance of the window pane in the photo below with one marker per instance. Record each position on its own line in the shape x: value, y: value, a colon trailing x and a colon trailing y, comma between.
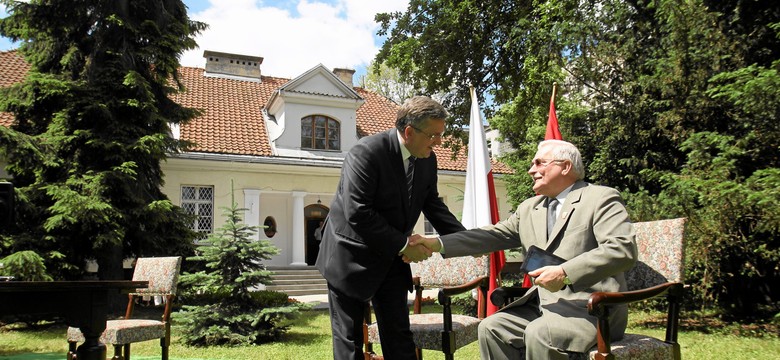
x: 187, y: 192
x: 188, y: 208
x: 319, y: 143
x: 205, y: 210
x: 199, y: 200
x: 320, y: 134
x: 204, y: 224
x: 306, y: 132
x: 204, y: 193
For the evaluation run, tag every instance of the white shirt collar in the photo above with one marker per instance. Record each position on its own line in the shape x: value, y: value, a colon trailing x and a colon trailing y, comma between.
x: 405, y: 154
x: 561, y: 197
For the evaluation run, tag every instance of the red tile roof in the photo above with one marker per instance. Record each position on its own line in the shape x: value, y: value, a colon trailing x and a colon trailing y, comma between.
x: 13, y: 68
x: 232, y: 120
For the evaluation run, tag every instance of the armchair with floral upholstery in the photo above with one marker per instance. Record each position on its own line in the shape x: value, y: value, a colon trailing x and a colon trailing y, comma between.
x: 659, y: 271
x: 443, y: 331
x: 162, y: 273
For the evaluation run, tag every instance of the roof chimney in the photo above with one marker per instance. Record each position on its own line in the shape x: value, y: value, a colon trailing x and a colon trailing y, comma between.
x: 232, y: 65
x: 344, y: 75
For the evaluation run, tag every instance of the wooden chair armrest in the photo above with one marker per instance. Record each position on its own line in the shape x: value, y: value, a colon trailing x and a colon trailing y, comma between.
x: 599, y: 299
x: 598, y: 306
x: 500, y: 295
x: 455, y: 290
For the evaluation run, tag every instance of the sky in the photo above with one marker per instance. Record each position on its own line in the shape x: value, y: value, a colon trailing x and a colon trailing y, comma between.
x: 292, y: 36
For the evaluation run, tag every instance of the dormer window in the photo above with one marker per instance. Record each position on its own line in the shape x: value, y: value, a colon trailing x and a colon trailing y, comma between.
x: 320, y: 132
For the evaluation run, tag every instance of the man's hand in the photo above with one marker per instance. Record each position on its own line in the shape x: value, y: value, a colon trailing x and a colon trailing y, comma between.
x: 431, y: 242
x: 549, y: 277
x: 415, y: 253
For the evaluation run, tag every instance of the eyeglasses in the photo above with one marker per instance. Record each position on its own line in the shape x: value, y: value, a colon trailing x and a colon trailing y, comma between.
x: 543, y: 163
x: 430, y: 136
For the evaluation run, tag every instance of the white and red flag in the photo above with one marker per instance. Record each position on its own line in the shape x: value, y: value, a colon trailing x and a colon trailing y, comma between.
x: 479, y: 200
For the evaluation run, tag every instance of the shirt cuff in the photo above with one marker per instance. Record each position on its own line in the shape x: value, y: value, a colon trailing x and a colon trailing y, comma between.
x: 405, y: 246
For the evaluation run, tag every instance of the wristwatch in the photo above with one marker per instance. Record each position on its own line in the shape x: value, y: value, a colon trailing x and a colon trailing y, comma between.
x: 566, y: 280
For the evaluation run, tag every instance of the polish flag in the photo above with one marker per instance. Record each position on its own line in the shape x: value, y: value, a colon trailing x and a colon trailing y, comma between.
x: 479, y: 201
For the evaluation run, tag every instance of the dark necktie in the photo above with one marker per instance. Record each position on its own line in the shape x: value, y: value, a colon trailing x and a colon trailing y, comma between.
x: 551, y: 215
x: 410, y: 176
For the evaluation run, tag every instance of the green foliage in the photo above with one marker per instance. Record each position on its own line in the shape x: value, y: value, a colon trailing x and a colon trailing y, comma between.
x: 387, y: 82
x: 24, y: 266
x: 91, y: 126
x: 466, y: 303
x: 733, y: 237
x: 221, y: 308
x: 674, y: 102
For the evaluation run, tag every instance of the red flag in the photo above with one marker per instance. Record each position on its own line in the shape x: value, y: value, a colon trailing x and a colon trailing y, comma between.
x: 479, y: 198
x: 553, y: 133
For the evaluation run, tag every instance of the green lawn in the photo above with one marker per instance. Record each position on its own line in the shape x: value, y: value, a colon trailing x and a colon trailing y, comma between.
x: 309, y: 337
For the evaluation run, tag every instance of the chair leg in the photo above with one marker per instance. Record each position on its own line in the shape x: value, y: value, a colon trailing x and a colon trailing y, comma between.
x: 164, y: 345
x: 71, y: 350
x: 418, y: 351
x: 117, y: 353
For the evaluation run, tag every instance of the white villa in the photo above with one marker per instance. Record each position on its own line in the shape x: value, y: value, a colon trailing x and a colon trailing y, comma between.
x: 279, y: 142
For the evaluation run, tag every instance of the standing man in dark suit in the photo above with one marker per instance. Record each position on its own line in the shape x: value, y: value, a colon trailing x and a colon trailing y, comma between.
x: 587, y: 225
x: 386, y: 181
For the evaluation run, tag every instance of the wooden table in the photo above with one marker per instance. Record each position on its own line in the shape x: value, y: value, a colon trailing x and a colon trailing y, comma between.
x: 83, y: 304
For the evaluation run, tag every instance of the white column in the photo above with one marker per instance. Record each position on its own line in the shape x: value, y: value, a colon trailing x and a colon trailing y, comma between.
x: 252, y: 214
x: 298, y: 238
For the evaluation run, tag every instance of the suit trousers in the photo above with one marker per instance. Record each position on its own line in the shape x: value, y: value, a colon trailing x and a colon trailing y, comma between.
x: 514, y: 331
x: 391, y: 308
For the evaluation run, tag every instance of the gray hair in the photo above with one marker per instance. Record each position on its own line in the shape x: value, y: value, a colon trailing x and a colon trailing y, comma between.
x: 563, y: 150
x: 416, y: 110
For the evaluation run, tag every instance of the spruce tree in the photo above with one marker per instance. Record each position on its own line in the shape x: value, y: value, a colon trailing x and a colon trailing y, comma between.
x: 223, y: 308
x: 91, y: 127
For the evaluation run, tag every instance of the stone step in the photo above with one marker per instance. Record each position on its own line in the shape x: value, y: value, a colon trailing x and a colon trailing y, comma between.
x: 296, y: 287
x: 290, y: 267
x: 306, y: 292
x: 297, y: 280
x: 282, y: 282
x: 297, y: 272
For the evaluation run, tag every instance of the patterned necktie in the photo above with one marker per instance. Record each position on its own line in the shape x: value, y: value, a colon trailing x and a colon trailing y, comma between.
x: 551, y: 207
x: 410, y: 176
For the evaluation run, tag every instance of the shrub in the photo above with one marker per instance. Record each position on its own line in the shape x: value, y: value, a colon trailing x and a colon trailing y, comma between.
x: 219, y: 306
x: 25, y: 266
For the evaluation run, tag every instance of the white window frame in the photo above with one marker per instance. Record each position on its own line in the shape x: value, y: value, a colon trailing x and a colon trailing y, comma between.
x: 197, y: 225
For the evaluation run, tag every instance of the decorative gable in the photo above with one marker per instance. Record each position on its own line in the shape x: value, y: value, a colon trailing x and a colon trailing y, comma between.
x: 316, y: 95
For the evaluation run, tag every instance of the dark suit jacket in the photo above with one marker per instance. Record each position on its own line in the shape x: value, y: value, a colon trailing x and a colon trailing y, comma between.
x: 371, y: 215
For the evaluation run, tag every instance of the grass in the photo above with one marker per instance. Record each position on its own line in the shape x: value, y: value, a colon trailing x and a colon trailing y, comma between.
x: 702, y: 337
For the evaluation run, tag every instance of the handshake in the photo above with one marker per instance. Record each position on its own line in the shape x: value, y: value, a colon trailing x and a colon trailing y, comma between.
x: 420, y: 248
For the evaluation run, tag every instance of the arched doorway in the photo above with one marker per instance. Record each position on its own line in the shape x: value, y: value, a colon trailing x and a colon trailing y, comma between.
x: 314, y: 215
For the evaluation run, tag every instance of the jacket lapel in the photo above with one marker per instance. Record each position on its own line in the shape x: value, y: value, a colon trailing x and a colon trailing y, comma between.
x: 398, y: 167
x: 571, y: 204
x: 539, y: 220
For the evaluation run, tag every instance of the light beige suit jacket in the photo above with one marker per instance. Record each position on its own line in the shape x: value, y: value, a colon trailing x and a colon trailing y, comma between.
x: 593, y: 233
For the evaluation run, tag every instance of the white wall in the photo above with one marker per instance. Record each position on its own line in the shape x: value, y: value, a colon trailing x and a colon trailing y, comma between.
x: 276, y: 183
